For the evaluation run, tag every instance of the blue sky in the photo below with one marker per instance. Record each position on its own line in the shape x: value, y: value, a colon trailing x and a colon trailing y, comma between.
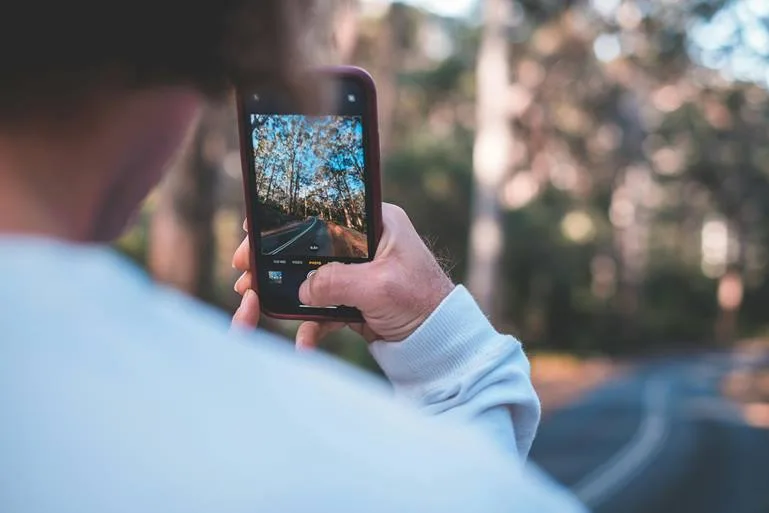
x: 745, y: 19
x: 442, y: 7
x: 446, y: 7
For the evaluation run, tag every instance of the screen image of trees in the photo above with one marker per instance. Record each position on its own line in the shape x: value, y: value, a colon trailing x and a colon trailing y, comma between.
x: 310, y: 184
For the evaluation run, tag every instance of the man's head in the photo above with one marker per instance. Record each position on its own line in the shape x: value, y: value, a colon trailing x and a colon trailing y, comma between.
x: 96, y: 97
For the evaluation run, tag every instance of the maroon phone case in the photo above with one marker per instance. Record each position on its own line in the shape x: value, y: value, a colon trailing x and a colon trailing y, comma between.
x: 365, y: 80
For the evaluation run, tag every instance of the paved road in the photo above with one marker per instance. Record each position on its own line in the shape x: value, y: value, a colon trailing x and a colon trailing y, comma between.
x: 310, y: 238
x: 661, y: 440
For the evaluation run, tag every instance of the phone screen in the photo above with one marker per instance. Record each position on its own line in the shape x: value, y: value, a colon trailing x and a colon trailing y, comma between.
x: 310, y: 191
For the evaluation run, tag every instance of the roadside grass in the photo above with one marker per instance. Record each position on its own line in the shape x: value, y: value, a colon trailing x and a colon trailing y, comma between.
x: 748, y: 385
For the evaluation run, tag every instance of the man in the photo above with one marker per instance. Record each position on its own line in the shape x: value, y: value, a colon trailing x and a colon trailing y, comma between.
x: 117, y: 395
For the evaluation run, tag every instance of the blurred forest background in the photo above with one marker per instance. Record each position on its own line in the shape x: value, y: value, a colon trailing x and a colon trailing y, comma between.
x: 596, y: 171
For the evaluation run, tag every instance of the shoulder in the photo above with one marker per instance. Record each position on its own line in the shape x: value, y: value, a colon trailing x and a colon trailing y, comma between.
x: 342, y: 429
x: 135, y: 378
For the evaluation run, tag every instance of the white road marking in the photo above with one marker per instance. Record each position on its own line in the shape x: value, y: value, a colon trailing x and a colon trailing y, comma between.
x: 637, y: 453
x: 287, y: 244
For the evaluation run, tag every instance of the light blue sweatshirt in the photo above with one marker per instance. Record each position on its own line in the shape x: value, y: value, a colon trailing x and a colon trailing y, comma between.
x: 119, y: 396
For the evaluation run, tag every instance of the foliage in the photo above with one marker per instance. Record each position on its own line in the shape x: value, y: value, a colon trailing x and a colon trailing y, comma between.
x: 639, y: 180
x: 311, y: 167
x: 626, y: 148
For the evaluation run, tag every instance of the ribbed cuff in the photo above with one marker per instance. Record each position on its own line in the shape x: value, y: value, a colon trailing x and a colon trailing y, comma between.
x: 456, y: 337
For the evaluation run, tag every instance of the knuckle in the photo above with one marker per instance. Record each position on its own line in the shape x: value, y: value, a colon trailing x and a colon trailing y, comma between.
x: 396, y: 213
x: 398, y: 222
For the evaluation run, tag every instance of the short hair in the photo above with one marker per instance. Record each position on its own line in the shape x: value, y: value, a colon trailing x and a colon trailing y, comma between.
x: 55, y: 54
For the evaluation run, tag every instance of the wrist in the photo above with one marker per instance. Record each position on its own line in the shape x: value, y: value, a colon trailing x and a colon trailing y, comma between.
x: 440, y: 290
x: 454, y: 339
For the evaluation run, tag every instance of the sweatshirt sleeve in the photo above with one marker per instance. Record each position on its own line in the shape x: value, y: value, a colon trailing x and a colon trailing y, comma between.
x: 456, y: 364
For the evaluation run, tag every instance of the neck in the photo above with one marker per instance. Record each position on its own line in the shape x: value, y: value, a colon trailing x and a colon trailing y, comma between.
x: 40, y: 194
x: 80, y: 180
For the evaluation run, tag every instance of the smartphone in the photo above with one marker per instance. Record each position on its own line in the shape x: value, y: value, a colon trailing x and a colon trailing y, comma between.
x: 312, y: 185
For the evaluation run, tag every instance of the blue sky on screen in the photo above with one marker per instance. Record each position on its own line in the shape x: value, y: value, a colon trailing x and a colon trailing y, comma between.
x: 311, y: 156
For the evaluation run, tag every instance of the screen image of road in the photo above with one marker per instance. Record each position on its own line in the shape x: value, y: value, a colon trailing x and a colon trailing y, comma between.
x: 310, y: 185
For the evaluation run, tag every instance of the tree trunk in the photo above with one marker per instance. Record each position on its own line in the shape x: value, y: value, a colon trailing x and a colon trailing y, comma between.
x: 490, y: 157
x: 261, y: 175
x: 289, y: 195
x: 731, y: 286
x: 730, y: 292
x: 269, y: 186
x: 182, y: 241
x: 741, y: 215
x: 390, y: 54
x: 341, y: 199
x: 631, y: 217
x: 296, y: 189
x: 632, y: 239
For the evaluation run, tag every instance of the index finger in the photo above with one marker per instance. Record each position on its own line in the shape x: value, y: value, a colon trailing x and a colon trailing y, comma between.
x: 310, y: 333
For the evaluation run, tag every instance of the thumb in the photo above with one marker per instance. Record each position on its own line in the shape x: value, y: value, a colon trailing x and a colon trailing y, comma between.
x: 335, y: 284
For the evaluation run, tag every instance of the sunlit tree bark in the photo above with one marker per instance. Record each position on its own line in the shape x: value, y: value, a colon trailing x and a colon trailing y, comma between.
x: 491, y: 156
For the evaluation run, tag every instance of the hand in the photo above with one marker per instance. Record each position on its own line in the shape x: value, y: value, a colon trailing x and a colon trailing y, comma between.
x: 396, y: 292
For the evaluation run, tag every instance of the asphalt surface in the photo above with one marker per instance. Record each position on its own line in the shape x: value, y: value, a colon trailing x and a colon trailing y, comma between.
x: 660, y: 440
x: 310, y: 238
